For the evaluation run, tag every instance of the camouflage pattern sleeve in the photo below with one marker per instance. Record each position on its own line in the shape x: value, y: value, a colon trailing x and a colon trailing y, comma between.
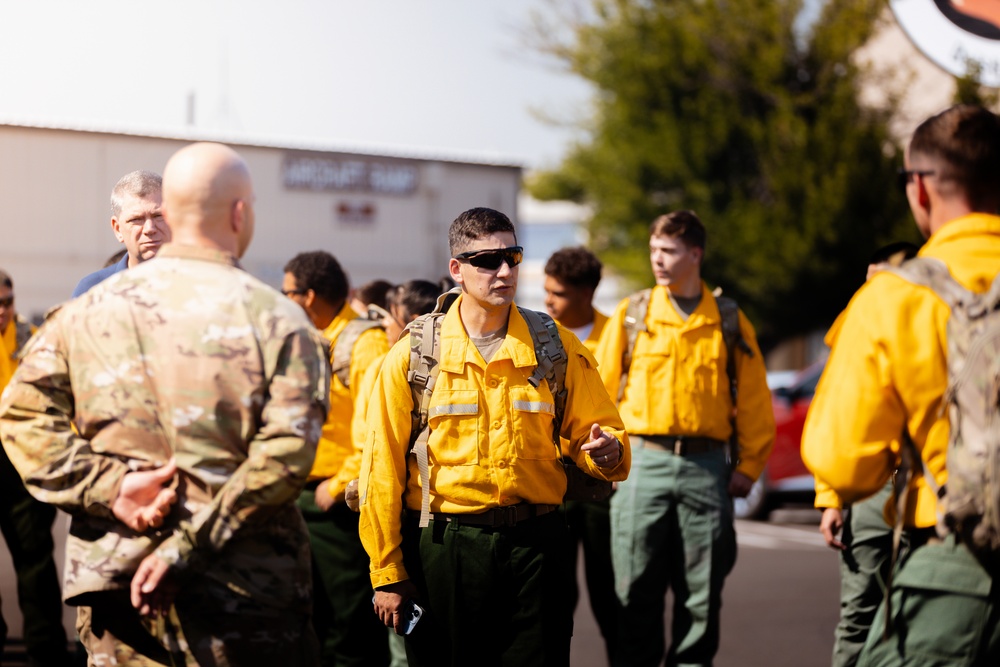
x: 279, y: 455
x: 36, y: 412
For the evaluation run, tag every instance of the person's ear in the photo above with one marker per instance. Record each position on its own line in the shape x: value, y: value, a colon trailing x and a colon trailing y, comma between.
x: 116, y: 228
x: 238, y: 218
x: 455, y: 271
x: 309, y: 298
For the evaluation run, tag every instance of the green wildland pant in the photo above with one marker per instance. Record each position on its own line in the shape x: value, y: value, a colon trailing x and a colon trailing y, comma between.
x: 671, y: 527
x: 349, y: 631
x: 945, y: 612
x: 493, y: 596
x: 864, y: 567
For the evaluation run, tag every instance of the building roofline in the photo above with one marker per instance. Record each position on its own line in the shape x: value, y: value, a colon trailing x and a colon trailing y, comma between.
x: 423, y: 153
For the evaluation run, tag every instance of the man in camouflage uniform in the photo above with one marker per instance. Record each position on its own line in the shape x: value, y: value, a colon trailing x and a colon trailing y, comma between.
x: 197, y: 394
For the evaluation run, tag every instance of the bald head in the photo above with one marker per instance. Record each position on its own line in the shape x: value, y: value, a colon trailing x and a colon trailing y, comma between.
x: 208, y: 198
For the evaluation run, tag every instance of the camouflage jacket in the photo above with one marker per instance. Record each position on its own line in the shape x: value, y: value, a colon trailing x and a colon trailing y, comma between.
x: 187, y: 356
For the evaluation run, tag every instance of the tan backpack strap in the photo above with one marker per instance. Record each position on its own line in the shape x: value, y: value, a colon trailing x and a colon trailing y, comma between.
x: 635, y: 323
x: 933, y: 273
x: 343, y: 348
x: 551, y: 358
x: 421, y: 376
x: 729, y: 316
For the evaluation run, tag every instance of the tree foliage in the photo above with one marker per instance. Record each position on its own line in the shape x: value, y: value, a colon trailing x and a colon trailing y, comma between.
x: 722, y: 107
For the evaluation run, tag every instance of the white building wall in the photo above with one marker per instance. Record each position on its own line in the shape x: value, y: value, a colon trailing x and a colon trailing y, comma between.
x: 54, y: 206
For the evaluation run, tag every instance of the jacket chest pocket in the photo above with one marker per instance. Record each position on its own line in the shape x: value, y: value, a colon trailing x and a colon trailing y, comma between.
x: 453, y: 418
x: 533, y: 412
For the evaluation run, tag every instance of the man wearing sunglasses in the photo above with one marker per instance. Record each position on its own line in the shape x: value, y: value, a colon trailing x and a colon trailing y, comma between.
x: 489, y: 568
x: 683, y: 364
x: 27, y: 523
x: 888, y: 377
x: 137, y: 222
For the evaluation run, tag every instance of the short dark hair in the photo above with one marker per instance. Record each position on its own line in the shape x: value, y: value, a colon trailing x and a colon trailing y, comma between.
x: 415, y: 297
x: 963, y: 142
x: 321, y: 272
x: 373, y: 292
x: 684, y: 225
x: 575, y: 266
x: 895, y: 253
x: 5, y: 280
x: 140, y: 183
x: 475, y: 224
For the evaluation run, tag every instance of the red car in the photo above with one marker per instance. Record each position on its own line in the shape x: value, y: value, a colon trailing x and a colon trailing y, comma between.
x: 785, y: 477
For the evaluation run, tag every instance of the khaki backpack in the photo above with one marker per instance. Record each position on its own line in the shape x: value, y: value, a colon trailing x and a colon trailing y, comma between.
x: 343, y: 348
x: 970, y: 505
x: 425, y: 350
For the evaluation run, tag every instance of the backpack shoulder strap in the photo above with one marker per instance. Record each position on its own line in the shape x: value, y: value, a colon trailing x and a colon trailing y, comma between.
x: 425, y: 350
x: 551, y: 357
x: 933, y: 273
x: 635, y: 323
x: 343, y: 347
x: 729, y: 316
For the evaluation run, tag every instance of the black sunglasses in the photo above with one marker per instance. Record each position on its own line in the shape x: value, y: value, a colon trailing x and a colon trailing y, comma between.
x: 7, y: 302
x: 906, y: 175
x: 492, y: 259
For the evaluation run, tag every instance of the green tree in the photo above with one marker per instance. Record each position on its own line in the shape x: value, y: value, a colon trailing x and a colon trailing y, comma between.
x: 722, y: 107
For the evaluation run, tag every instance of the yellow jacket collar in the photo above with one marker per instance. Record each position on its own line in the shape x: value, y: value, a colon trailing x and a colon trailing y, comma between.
x: 457, y: 349
x: 340, y: 321
x: 661, y: 309
x: 974, y: 224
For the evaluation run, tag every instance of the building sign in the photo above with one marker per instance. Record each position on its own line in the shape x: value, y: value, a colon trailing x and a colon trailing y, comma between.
x: 952, y: 33
x: 355, y: 212
x: 348, y: 174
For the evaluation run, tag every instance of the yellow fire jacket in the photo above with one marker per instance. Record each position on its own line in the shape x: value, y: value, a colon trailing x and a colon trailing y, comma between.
x: 888, y: 372
x: 490, y: 443
x: 600, y: 321
x: 338, y: 455
x: 9, y: 348
x: 825, y: 496
x: 677, y: 382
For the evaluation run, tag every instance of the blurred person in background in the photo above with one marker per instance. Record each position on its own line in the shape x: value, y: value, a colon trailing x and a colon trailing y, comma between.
x: 859, y: 531
x: 677, y: 357
x: 372, y: 293
x: 571, y: 278
x: 349, y: 633
x: 25, y: 522
x: 137, y: 222
x: 405, y: 303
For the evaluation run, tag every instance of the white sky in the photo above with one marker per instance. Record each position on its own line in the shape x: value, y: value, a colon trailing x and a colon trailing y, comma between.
x: 453, y: 76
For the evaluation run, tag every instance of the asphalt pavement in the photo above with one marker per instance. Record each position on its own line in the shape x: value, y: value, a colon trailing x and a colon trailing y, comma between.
x: 780, y: 602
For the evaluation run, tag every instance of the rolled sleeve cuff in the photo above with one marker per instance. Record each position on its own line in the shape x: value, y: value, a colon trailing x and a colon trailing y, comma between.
x: 390, y: 574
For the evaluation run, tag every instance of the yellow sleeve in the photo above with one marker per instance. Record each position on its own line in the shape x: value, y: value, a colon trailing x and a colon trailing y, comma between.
x: 383, y: 467
x: 369, y: 350
x: 850, y: 439
x: 588, y: 403
x: 826, y: 497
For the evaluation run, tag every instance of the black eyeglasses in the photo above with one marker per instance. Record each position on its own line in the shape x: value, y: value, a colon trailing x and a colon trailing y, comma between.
x: 7, y: 302
x: 493, y: 258
x: 289, y: 292
x: 906, y: 175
